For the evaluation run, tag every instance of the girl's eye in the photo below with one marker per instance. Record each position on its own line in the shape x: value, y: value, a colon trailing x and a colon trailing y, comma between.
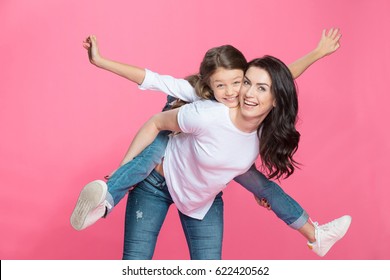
x: 246, y: 83
x: 262, y: 88
x: 219, y: 86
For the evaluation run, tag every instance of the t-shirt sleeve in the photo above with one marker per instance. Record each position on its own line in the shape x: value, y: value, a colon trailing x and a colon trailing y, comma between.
x: 196, y: 117
x: 190, y: 118
x: 179, y: 88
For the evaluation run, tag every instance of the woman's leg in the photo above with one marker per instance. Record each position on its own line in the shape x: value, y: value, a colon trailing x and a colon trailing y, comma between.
x: 146, y: 210
x: 204, y: 237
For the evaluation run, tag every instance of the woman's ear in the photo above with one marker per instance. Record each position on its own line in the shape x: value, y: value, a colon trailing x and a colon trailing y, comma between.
x: 274, y: 103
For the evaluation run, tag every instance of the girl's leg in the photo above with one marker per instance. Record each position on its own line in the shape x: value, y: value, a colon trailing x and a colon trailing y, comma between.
x: 97, y: 198
x: 320, y: 238
x: 138, y: 168
x: 284, y: 206
x: 146, y: 210
x: 204, y: 237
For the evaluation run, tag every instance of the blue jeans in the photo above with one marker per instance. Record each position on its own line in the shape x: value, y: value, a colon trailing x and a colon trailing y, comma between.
x: 137, y: 169
x: 140, y: 167
x: 133, y: 172
x: 147, y: 207
x: 284, y: 206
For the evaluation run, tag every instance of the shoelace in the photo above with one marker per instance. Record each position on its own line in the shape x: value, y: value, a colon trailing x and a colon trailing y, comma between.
x: 107, y: 204
x: 316, y: 230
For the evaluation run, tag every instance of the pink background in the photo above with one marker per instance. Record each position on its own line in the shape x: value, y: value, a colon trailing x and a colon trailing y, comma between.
x: 64, y: 122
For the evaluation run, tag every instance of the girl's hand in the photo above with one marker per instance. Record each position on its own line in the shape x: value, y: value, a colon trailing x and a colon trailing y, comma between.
x: 109, y: 176
x: 329, y: 42
x: 263, y: 202
x: 91, y: 45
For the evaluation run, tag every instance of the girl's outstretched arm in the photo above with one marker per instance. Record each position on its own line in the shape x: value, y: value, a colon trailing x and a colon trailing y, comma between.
x: 130, y: 72
x: 166, y: 120
x: 328, y: 44
x: 146, y: 79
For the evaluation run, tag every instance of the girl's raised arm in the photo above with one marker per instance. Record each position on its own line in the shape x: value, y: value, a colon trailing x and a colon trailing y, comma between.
x: 146, y: 79
x: 130, y: 72
x: 328, y: 44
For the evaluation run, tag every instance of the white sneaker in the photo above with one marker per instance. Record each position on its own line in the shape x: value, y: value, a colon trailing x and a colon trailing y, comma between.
x: 91, y: 205
x: 328, y: 234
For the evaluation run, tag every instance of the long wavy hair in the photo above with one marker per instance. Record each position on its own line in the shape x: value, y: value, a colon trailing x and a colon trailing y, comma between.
x: 225, y: 56
x: 279, y: 138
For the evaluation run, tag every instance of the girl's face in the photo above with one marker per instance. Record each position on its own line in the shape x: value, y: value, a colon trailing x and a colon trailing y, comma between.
x: 226, y: 85
x: 256, y: 98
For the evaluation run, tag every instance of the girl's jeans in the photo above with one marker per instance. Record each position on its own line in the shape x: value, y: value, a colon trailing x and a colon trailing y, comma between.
x: 147, y: 207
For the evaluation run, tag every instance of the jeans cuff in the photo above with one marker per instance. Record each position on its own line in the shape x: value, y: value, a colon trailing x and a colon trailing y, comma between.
x: 110, y: 200
x: 300, y: 222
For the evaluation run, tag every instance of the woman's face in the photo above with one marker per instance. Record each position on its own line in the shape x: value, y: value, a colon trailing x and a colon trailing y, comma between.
x: 226, y: 85
x: 256, y: 98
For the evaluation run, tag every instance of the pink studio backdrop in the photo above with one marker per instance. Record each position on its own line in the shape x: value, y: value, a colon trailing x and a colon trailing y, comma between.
x: 64, y: 122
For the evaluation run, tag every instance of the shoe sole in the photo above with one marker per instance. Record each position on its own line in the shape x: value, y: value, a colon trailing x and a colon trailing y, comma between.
x: 90, y: 197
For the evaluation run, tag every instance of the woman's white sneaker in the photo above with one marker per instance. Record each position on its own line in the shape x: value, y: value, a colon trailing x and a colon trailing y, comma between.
x: 328, y: 234
x: 91, y: 205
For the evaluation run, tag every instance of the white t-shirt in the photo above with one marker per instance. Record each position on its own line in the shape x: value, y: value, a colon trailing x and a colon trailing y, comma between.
x: 179, y: 88
x: 209, y: 153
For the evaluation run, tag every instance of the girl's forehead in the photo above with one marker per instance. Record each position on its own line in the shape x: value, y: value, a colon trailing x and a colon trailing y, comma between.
x: 226, y: 74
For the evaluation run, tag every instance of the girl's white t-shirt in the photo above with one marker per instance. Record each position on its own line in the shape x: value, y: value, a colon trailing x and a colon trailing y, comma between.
x: 208, y: 154
x: 179, y: 88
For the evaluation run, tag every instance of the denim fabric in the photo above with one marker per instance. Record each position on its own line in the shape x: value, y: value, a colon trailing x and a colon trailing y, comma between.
x: 140, y: 167
x: 286, y: 208
x: 146, y: 210
x: 137, y: 169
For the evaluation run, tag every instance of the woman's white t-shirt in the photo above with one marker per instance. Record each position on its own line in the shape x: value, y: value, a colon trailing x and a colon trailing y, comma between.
x: 209, y: 153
